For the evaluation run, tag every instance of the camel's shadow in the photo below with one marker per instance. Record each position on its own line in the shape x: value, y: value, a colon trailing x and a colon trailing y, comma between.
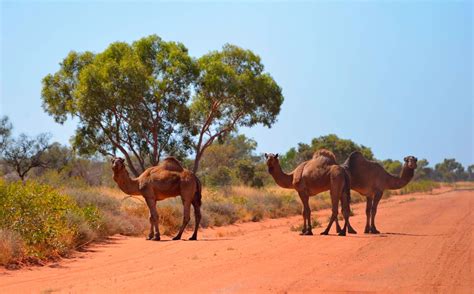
x: 354, y: 236
x: 383, y: 235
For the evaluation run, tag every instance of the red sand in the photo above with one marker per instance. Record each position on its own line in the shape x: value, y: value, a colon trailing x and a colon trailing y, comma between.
x: 426, y: 245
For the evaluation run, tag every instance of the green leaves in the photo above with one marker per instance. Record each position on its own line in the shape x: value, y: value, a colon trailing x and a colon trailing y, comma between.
x: 133, y: 98
x: 234, y: 79
x: 130, y: 97
x: 231, y: 91
x: 342, y: 148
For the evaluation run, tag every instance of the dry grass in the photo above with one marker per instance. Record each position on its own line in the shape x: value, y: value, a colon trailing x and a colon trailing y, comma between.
x: 12, y: 247
x: 314, y: 224
x: 225, y: 205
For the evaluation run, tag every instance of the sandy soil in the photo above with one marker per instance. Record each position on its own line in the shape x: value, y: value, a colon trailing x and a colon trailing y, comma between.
x: 426, y: 246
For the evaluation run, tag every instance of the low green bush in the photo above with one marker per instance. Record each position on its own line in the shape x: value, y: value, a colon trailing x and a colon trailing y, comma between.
x: 419, y: 186
x: 47, y: 221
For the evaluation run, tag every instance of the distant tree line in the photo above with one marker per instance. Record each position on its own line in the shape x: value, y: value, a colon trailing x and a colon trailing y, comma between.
x: 233, y: 161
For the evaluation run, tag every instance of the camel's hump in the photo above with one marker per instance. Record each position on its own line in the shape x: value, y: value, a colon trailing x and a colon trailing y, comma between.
x: 325, y: 153
x: 171, y: 164
x: 354, y: 157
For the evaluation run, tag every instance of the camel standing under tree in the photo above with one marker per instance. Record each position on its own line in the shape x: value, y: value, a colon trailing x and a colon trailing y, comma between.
x: 319, y: 174
x: 370, y: 179
x: 168, y: 179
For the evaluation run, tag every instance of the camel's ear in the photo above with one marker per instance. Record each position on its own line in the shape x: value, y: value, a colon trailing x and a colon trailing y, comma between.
x: 266, y: 155
x: 121, y: 159
x: 405, y: 159
x: 276, y: 155
x: 112, y: 159
x: 416, y: 159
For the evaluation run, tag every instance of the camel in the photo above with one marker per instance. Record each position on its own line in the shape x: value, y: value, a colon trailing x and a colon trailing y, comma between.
x: 319, y: 174
x: 168, y: 179
x: 370, y: 179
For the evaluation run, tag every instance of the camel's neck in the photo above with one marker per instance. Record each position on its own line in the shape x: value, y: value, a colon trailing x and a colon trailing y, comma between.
x: 282, y: 179
x: 126, y: 184
x: 400, y: 182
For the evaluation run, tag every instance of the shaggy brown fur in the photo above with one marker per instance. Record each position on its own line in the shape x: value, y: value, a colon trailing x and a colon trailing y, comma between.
x: 168, y: 179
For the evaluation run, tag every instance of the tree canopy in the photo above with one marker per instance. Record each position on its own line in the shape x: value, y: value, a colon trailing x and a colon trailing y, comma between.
x: 232, y: 90
x: 232, y: 161
x: 340, y: 147
x: 450, y: 170
x: 25, y: 153
x: 133, y: 98
x: 130, y: 97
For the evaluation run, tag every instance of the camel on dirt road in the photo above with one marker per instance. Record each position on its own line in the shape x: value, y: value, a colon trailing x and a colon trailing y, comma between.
x: 168, y: 179
x: 319, y: 174
x: 370, y: 179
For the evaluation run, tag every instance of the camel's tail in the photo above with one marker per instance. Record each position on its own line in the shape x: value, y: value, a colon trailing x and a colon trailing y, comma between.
x: 198, y: 194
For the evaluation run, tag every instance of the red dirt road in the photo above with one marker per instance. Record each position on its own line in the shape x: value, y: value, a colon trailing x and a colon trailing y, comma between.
x: 426, y: 245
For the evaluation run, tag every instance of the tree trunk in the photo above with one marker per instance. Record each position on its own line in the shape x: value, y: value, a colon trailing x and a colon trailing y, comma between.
x: 196, y: 161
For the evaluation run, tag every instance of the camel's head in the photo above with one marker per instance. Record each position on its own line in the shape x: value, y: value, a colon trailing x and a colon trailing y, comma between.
x: 272, y: 161
x: 118, y: 164
x: 410, y: 162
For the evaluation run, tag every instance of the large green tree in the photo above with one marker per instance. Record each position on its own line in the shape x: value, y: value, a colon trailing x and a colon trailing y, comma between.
x: 25, y: 153
x: 129, y: 98
x: 450, y: 170
x: 232, y: 91
x: 423, y: 171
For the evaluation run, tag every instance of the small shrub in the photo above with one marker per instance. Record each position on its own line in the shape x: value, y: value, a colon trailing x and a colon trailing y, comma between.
x: 314, y: 224
x: 106, y: 216
x: 221, y: 177
x: 419, y: 186
x: 221, y: 213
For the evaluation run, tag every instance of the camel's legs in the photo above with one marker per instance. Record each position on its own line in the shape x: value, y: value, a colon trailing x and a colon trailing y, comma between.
x: 377, y: 198
x: 338, y: 227
x: 368, y: 209
x: 154, y: 229
x: 186, y: 216
x: 197, y: 218
x: 307, y: 230
x: 335, y: 207
x: 346, y: 213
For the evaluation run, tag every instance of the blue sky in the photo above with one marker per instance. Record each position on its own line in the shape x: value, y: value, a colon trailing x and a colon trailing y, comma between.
x: 394, y: 76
